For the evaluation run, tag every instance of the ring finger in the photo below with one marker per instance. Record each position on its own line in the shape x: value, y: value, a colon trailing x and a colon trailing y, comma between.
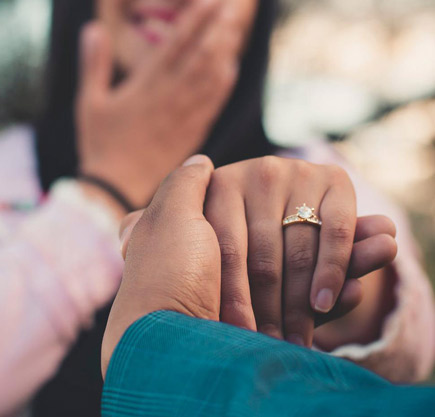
x: 301, y: 241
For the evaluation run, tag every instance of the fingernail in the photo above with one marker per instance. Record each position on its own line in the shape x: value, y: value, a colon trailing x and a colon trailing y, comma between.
x: 324, y: 301
x: 296, y: 339
x: 89, y: 42
x: 196, y: 160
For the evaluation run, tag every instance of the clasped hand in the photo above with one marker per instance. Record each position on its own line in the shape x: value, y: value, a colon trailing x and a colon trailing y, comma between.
x: 211, y: 245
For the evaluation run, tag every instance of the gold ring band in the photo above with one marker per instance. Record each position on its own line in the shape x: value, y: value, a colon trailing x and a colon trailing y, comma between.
x: 305, y: 214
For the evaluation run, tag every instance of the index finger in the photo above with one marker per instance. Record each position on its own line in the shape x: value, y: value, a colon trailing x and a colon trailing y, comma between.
x: 191, y: 22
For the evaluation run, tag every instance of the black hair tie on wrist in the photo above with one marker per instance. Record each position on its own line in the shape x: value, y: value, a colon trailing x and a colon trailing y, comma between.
x: 109, y: 189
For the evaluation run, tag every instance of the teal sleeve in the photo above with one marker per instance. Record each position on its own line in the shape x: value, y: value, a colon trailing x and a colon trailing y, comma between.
x: 168, y: 364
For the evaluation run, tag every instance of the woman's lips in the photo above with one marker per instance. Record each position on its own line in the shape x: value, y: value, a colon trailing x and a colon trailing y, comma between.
x: 165, y: 14
x: 150, y: 22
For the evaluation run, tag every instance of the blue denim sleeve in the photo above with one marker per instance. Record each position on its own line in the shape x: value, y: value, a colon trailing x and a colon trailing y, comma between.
x: 168, y: 364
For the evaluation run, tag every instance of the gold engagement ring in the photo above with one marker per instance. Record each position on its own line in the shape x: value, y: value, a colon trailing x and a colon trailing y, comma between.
x: 305, y: 214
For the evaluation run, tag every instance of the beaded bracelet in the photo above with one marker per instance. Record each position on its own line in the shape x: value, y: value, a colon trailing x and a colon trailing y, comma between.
x: 109, y: 189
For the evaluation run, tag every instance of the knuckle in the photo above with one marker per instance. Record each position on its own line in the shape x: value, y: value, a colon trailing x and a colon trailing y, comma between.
x: 235, y: 301
x: 300, y: 258
x: 265, y: 259
x: 333, y: 273
x: 337, y: 174
x: 264, y: 272
x: 234, y: 306
x: 231, y: 254
x: 304, y: 169
x: 342, y: 233
x: 341, y: 230
x: 269, y: 170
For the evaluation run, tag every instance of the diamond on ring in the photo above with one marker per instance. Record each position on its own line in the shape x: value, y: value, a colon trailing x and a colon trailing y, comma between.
x: 304, y: 214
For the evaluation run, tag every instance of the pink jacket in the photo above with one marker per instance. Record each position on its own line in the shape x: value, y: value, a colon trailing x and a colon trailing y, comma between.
x: 61, y: 262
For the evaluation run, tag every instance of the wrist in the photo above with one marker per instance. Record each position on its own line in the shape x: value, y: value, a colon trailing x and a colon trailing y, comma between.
x: 124, y: 314
x: 96, y: 193
x: 138, y: 188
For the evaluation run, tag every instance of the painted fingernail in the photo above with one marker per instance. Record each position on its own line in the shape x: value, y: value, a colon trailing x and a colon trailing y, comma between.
x: 296, y: 339
x: 324, y: 301
x: 196, y: 160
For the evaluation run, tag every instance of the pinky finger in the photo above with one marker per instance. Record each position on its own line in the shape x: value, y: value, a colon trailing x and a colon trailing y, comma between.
x: 371, y: 254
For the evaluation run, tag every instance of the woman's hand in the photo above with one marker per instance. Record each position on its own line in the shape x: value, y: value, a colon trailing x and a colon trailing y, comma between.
x: 133, y: 135
x: 173, y: 261
x: 282, y: 281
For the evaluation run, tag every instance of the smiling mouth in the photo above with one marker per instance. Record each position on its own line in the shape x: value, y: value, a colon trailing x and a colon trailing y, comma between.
x: 152, y: 22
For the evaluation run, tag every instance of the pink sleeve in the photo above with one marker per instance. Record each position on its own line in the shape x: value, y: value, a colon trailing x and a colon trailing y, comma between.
x: 59, y: 267
x: 405, y: 351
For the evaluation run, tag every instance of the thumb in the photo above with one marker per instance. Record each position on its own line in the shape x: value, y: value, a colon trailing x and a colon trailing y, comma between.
x: 96, y: 59
x: 184, y: 189
x: 183, y: 192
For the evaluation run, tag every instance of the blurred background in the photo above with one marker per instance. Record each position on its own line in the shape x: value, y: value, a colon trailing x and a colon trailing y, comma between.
x: 361, y: 72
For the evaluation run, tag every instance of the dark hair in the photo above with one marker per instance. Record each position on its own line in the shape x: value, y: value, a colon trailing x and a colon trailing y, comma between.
x: 238, y: 134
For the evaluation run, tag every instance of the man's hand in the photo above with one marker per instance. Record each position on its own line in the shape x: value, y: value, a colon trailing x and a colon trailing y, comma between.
x: 173, y: 258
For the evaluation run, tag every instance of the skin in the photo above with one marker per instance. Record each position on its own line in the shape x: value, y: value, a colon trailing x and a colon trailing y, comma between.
x: 270, y: 280
x: 173, y: 261
x: 280, y: 286
x: 139, y: 28
x: 174, y: 256
x: 187, y: 77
